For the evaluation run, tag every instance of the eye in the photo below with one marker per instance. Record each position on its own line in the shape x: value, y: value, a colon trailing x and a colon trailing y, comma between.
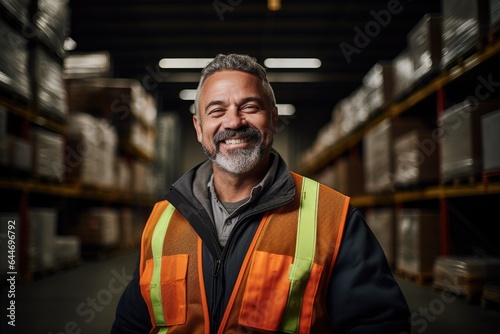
x: 216, y: 112
x: 250, y: 108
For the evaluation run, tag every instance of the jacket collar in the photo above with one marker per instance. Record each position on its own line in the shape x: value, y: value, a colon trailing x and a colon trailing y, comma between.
x: 278, y: 189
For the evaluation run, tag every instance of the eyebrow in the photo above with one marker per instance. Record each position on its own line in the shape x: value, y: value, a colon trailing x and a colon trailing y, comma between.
x: 245, y: 100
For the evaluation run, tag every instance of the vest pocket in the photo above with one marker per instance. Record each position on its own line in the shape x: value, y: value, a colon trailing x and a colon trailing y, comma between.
x: 266, y: 291
x: 165, y: 280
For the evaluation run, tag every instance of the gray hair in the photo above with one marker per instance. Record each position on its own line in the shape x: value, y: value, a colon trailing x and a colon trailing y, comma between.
x: 237, y: 62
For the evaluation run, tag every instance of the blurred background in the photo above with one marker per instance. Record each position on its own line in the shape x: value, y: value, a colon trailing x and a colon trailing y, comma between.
x: 394, y: 103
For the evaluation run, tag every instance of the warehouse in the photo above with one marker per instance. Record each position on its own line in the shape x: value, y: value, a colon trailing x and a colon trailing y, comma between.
x: 393, y: 103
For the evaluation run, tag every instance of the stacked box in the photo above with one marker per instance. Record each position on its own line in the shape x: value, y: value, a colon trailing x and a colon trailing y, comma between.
x: 14, y: 62
x: 127, y: 228
x: 348, y: 172
x: 51, y: 91
x: 87, y: 65
x: 99, y: 227
x: 20, y: 154
x: 379, y: 82
x: 464, y: 24
x: 67, y: 248
x: 115, y: 99
x: 494, y: 13
x: 417, y: 240
x: 416, y: 158
x: 382, y: 223
x: 424, y: 46
x: 91, y: 151
x: 142, y: 177
x: 17, y: 8
x: 123, y: 175
x: 53, y: 23
x: 403, y: 74
x: 42, y: 226
x: 490, y: 124
x: 167, y: 150
x: 378, y: 156
x: 461, y: 151
x: 48, y: 154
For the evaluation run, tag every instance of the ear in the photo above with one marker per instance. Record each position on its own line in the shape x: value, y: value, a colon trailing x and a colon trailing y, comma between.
x: 197, y: 127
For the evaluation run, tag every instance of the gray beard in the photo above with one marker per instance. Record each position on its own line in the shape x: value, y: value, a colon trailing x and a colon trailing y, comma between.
x: 238, y: 161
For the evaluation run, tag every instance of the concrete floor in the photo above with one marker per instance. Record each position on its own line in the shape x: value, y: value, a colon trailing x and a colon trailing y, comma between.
x: 83, y: 300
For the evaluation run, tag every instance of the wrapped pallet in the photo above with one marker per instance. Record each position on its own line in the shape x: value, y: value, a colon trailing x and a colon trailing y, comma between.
x: 464, y: 25
x: 51, y: 92
x: 379, y: 83
x: 378, y: 156
x: 381, y: 222
x: 490, y: 124
x: 14, y: 62
x: 461, y: 152
x: 416, y: 159
x: 48, y: 155
x: 417, y: 242
x: 424, y: 46
x: 465, y: 275
x: 91, y: 151
x: 403, y: 74
x: 42, y: 227
x: 98, y: 227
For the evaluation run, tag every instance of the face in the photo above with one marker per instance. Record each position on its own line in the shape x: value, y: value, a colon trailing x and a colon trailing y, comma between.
x: 235, y: 125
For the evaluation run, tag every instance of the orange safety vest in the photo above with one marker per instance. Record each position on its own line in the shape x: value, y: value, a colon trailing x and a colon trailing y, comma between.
x: 281, y: 284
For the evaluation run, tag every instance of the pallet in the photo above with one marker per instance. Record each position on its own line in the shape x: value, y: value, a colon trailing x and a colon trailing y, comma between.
x: 415, y: 277
x: 490, y: 298
x: 466, y: 180
x: 468, y: 294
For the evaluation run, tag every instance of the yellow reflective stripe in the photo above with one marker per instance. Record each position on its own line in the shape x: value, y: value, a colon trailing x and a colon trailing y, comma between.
x: 304, y: 254
x: 157, y: 250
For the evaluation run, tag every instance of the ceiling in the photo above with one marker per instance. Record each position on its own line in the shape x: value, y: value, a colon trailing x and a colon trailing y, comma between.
x: 138, y: 33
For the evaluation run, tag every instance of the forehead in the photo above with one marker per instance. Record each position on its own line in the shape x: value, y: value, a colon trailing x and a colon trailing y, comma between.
x: 229, y: 81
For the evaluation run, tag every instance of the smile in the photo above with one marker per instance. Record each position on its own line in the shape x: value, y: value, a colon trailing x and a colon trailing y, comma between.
x: 235, y: 141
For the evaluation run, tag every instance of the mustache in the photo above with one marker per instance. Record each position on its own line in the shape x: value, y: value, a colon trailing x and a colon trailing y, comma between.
x: 251, y: 133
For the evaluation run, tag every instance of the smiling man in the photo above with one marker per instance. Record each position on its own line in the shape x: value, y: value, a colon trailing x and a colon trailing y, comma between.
x: 243, y: 245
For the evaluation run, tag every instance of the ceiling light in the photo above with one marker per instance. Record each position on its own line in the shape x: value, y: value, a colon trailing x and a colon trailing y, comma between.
x: 285, y: 109
x: 184, y: 62
x: 292, y: 62
x: 69, y: 44
x: 187, y: 94
x: 274, y: 5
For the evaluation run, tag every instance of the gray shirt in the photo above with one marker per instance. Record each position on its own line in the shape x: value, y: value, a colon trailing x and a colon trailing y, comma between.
x: 226, y: 214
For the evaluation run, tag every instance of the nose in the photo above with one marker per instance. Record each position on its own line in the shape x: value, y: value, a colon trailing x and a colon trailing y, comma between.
x: 233, y: 119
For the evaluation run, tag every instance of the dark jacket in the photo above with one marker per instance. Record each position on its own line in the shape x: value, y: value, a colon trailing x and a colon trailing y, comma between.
x: 363, y: 296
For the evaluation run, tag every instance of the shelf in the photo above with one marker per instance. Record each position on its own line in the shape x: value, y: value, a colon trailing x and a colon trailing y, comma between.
x: 26, y: 113
x: 430, y: 193
x: 77, y: 191
x: 446, y: 77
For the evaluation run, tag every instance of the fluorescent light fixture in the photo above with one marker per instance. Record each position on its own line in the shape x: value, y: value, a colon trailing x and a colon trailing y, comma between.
x: 292, y: 62
x: 187, y: 94
x: 184, y: 62
x: 285, y: 109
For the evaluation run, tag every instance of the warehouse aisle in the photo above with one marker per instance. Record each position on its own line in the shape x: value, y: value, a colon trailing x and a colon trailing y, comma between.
x: 83, y: 300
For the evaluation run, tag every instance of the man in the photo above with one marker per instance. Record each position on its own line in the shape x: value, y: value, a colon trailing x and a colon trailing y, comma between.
x: 243, y: 245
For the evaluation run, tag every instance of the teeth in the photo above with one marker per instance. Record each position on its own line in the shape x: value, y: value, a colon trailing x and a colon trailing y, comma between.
x: 235, y: 141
